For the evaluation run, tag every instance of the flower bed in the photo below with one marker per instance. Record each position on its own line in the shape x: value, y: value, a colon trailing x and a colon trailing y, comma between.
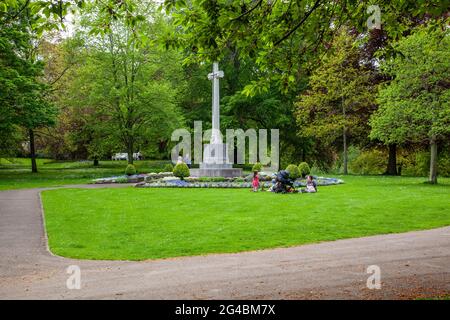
x: 167, y: 180
x: 228, y: 183
x: 121, y: 179
x: 134, y: 178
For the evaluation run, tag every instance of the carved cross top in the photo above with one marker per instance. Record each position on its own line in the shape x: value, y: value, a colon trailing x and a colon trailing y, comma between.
x: 215, y: 75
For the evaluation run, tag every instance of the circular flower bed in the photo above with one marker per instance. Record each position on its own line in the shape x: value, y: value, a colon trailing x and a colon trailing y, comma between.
x: 148, y: 177
x: 121, y: 179
x: 167, y: 180
x: 228, y: 183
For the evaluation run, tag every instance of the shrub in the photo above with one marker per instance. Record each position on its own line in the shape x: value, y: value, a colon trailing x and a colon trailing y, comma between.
x: 353, y: 153
x: 293, y: 171
x: 415, y: 164
x: 369, y: 162
x: 422, y: 166
x: 444, y: 165
x: 304, y: 169
x: 418, y: 164
x: 168, y: 168
x: 317, y: 170
x: 130, y: 170
x: 181, y: 171
x: 257, y: 167
x: 122, y: 180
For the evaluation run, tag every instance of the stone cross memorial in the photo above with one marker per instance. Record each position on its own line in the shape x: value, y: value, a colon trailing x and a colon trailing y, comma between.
x: 214, y: 77
x: 215, y: 162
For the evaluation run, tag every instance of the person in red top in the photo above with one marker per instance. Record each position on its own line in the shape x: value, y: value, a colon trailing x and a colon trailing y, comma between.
x: 255, y: 182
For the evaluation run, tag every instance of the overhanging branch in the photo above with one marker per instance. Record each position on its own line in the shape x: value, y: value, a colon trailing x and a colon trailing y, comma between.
x: 249, y: 11
x: 290, y: 32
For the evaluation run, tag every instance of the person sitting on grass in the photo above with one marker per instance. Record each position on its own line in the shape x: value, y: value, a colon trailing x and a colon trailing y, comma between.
x: 311, y: 185
x: 255, y: 182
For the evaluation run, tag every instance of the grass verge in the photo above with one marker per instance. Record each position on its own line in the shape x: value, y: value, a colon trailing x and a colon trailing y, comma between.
x: 137, y: 224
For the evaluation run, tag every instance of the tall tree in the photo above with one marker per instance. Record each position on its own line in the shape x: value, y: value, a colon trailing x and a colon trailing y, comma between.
x: 415, y: 105
x: 26, y: 100
x: 339, y: 99
x: 126, y: 79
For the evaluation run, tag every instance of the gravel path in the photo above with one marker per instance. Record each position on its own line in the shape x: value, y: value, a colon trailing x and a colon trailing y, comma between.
x: 413, y: 264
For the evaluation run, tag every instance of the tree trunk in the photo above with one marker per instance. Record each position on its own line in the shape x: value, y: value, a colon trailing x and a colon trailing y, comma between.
x: 392, y: 161
x: 32, y: 151
x: 95, y: 162
x: 162, y: 145
x: 344, y: 138
x: 433, y: 161
x: 130, y: 152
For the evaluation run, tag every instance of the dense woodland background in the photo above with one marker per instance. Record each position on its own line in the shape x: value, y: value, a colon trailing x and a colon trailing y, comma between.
x: 86, y: 79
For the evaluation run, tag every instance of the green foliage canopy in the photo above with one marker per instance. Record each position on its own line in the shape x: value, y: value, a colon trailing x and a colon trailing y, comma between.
x: 415, y: 105
x: 340, y: 94
x: 281, y: 36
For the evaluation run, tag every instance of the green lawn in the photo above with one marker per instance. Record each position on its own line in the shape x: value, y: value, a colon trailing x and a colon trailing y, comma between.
x: 16, y: 173
x: 136, y: 224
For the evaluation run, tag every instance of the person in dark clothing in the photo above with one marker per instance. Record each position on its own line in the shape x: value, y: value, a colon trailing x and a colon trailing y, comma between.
x: 283, y: 183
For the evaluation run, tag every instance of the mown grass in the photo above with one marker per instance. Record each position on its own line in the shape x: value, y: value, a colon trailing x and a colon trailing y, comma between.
x: 137, y: 224
x: 16, y: 173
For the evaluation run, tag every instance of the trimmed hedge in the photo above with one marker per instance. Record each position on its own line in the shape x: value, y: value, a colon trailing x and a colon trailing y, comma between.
x: 168, y: 168
x: 304, y: 169
x: 181, y: 171
x: 257, y: 167
x: 130, y: 170
x: 293, y: 171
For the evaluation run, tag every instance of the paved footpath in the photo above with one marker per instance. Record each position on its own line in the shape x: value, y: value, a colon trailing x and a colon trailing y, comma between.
x: 413, y: 264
